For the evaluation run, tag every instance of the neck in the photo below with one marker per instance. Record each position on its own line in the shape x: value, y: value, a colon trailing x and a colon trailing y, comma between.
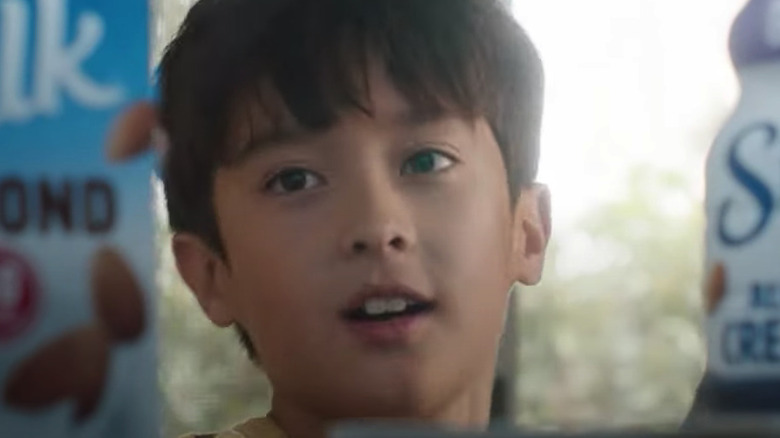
x: 469, y: 410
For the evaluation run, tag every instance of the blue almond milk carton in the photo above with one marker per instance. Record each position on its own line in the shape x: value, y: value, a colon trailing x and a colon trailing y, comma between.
x: 77, y: 329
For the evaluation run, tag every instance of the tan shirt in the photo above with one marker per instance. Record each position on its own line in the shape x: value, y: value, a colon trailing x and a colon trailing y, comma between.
x: 254, y: 428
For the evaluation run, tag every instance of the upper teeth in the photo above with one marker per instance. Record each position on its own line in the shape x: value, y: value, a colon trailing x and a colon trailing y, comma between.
x: 378, y: 306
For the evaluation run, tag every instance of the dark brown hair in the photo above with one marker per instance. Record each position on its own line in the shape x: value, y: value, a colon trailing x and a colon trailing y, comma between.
x: 463, y: 56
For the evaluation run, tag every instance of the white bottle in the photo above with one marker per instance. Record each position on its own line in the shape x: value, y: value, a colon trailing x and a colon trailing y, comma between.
x: 743, y: 226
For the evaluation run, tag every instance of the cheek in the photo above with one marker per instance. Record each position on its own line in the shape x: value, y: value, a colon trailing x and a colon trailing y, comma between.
x: 466, y: 252
x: 467, y: 235
x: 273, y: 301
x: 270, y: 283
x: 268, y: 244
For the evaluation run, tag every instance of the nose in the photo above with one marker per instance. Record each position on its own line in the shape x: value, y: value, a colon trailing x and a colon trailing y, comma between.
x: 378, y: 222
x: 383, y: 241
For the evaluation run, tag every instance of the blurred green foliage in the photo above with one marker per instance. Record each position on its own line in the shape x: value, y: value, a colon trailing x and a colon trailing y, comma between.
x: 615, y: 339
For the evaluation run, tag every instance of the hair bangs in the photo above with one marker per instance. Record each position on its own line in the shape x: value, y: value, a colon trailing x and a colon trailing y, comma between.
x: 318, y: 65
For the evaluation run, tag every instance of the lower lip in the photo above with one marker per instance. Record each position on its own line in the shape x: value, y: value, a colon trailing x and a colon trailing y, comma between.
x: 394, y: 332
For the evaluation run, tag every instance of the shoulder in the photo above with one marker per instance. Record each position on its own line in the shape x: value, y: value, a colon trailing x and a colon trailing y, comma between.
x: 254, y: 428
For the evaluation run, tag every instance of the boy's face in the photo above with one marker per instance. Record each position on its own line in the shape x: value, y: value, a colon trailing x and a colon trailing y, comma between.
x: 326, y: 231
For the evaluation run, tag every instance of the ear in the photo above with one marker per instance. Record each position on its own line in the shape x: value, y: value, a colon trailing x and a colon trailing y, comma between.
x: 531, y: 232
x: 206, y: 274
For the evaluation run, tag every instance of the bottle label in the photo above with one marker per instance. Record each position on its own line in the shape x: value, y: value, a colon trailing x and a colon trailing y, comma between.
x: 743, y: 240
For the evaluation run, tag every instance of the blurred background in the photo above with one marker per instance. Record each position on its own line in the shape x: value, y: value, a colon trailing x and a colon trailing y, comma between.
x: 636, y: 91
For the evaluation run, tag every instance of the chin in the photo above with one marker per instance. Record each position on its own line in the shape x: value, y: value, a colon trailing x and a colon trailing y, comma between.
x: 380, y: 406
x: 388, y: 399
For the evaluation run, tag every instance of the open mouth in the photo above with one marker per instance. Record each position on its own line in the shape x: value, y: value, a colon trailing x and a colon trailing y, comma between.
x: 378, y: 309
x: 389, y: 316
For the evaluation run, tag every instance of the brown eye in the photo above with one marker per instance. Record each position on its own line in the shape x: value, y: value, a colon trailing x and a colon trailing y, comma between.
x: 293, y: 180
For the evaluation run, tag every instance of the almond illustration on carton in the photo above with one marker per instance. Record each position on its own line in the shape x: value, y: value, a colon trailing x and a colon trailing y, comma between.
x: 75, y: 365
x: 117, y: 296
x: 133, y: 132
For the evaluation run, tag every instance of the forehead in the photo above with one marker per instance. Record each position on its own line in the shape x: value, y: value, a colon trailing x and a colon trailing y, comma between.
x: 261, y: 117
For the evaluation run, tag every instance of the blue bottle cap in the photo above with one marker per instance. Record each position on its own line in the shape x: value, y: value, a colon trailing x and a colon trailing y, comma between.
x: 755, y: 35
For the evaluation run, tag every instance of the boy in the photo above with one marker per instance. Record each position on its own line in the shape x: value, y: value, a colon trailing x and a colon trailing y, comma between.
x: 351, y: 186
